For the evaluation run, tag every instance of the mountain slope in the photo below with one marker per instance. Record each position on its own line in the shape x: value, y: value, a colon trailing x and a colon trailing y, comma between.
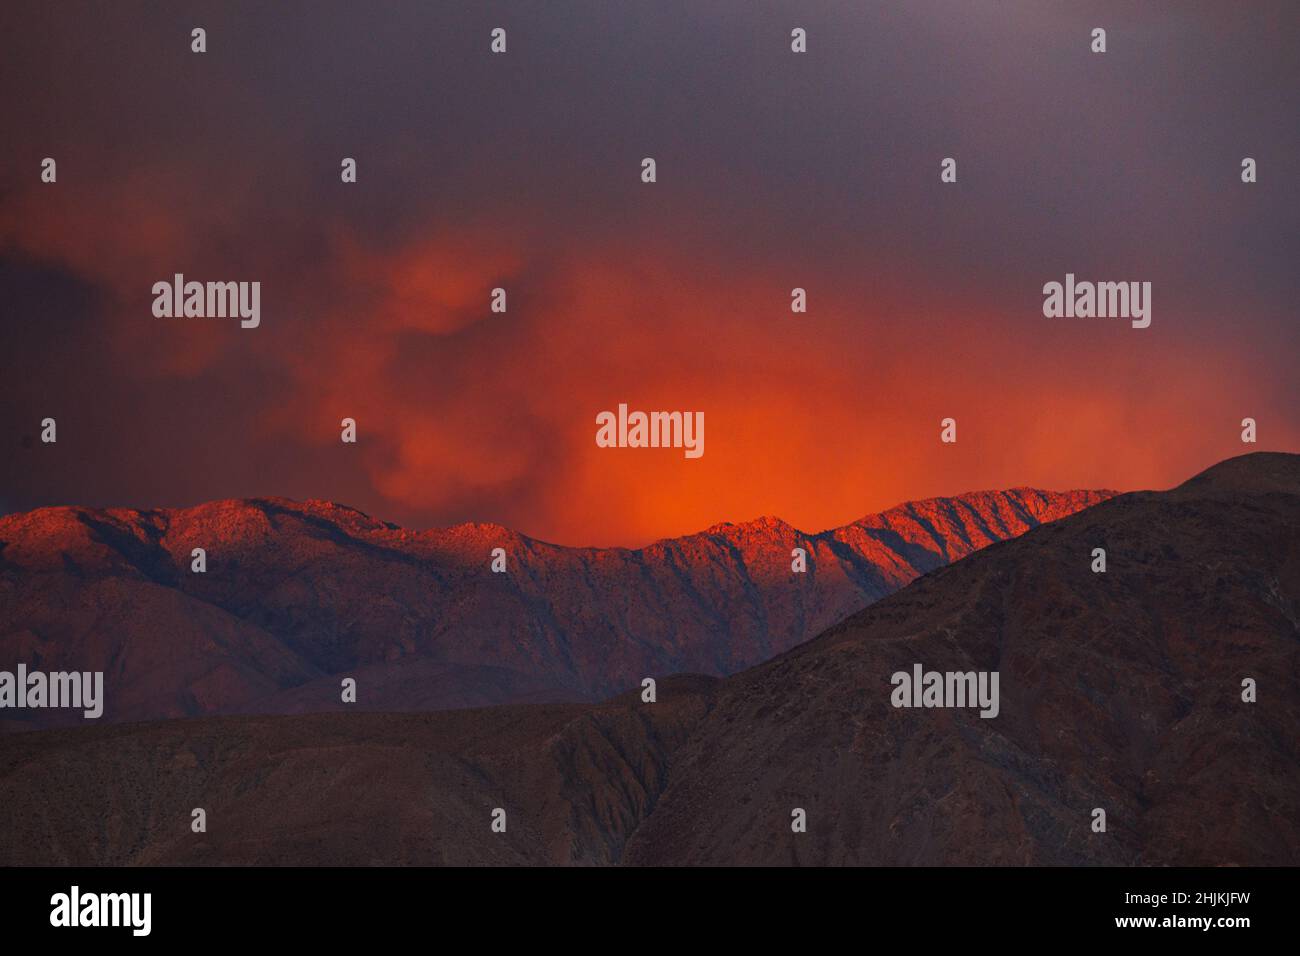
x: 345, y: 789
x: 1120, y: 690
x: 298, y: 595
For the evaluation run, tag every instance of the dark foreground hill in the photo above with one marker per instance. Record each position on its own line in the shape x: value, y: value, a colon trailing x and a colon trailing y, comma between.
x: 1120, y: 691
x: 296, y: 596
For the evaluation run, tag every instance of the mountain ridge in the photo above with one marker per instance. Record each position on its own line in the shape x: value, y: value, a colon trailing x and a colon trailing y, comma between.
x: 318, y: 507
x: 296, y: 596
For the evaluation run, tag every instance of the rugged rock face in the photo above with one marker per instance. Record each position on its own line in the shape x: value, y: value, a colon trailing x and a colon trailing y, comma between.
x: 297, y: 595
x: 1120, y: 691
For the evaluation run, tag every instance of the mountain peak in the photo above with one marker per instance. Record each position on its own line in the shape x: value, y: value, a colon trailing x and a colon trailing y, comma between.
x: 1260, y: 471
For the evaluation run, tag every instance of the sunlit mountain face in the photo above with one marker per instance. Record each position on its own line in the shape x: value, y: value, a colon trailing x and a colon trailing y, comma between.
x: 775, y: 171
x: 290, y: 598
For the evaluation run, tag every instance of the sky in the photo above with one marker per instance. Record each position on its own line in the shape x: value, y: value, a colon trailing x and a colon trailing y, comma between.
x: 522, y: 170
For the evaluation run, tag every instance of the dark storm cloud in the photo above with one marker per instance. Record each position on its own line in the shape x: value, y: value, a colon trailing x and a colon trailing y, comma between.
x: 774, y: 170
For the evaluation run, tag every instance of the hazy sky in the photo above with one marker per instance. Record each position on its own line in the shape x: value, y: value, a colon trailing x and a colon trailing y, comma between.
x: 522, y: 170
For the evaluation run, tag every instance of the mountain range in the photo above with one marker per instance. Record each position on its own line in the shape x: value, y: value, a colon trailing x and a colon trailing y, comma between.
x: 1122, y: 691
x: 297, y: 596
